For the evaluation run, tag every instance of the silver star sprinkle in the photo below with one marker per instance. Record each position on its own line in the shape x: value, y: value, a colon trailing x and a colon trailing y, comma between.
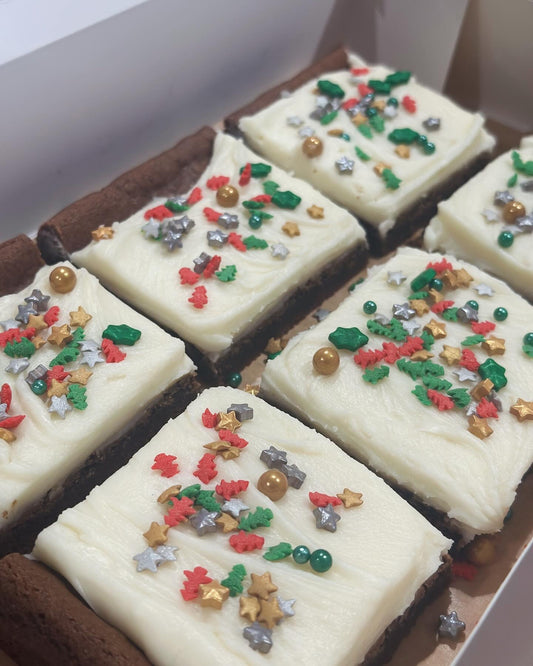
x: 228, y: 221
x: 410, y: 326
x: 148, y: 559
x: 152, y: 228
x: 320, y: 314
x: 490, y: 215
x: 431, y: 123
x: 305, y: 132
x: 465, y: 375
x: 216, y: 238
x: 525, y: 224
x: 286, y: 606
x: 183, y: 224
x: 39, y: 300
x: 166, y: 553
x: 381, y: 319
x: 91, y: 358
x: 396, y: 277
x: 471, y: 409
x: 344, y: 165
x: 88, y: 345
x: 279, y: 251
x: 450, y: 625
x: 9, y: 323
x: 502, y: 198
x: 203, y: 521
x: 526, y: 186
x: 180, y: 200
x: 17, y: 365
x: 259, y: 637
x: 172, y: 239
x: 493, y: 397
x: 390, y: 111
x: 25, y: 311
x: 59, y: 405
x: 234, y: 506
x: 403, y: 311
x: 243, y: 411
x: 295, y: 476
x: 39, y: 372
x: 201, y: 262
x: 466, y: 314
x: 273, y: 458
x: 484, y: 290
x: 294, y: 121
x: 326, y: 518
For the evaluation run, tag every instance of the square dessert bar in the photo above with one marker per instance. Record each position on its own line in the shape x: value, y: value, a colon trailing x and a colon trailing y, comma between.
x: 84, y: 382
x: 424, y: 373
x: 489, y: 220
x: 238, y: 533
x: 227, y: 265
x: 373, y: 140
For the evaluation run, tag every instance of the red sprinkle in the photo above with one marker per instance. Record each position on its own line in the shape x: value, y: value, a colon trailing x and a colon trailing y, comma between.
x: 464, y: 570
x: 211, y: 214
x: 244, y: 542
x: 187, y: 276
x: 158, y: 213
x: 359, y: 71
x: 236, y: 240
x: 440, y: 266
x: 364, y: 358
x: 112, y: 352
x: 438, y: 308
x: 409, y: 104
x: 51, y: 317
x: 11, y: 335
x: 349, y: 103
x: 319, y: 499
x: 209, y: 419
x: 483, y: 327
x: 411, y: 345
x: 228, y: 489
x: 194, y: 196
x: 232, y: 438
x: 487, y: 409
x: 178, y: 512
x: 58, y: 372
x: 392, y: 353
x: 262, y: 198
x: 212, y: 266
x: 443, y: 402
x: 166, y: 465
x: 5, y: 395
x: 364, y: 89
x: 12, y: 421
x: 469, y: 360
x: 199, y: 297
x: 246, y: 174
x: 206, y: 469
x: 217, y: 181
x: 195, y: 578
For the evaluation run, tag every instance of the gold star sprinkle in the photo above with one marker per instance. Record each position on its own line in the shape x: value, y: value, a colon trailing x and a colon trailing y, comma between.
x: 249, y: 608
x: 380, y: 167
x: 156, y: 535
x: 80, y: 376
x: 37, y: 322
x: 38, y: 342
x: 315, y: 212
x: 291, y: 229
x: 227, y: 523
x: 435, y: 296
x: 252, y: 389
x: 7, y: 435
x: 60, y: 335
x: 231, y: 453
x: 57, y: 388
x: 79, y: 317
x: 261, y: 586
x: 402, y: 151
x: 421, y: 355
x: 463, y: 277
x: 522, y: 410
x: 335, y: 132
x: 349, y: 498
x: 217, y: 446
x: 419, y: 306
x: 270, y: 613
x: 359, y: 119
x: 450, y: 280
x: 436, y: 328
x: 452, y: 355
x: 165, y: 496
x: 213, y: 594
x: 379, y: 104
x: 494, y: 345
x: 479, y: 427
x: 482, y: 389
x: 102, y: 233
x: 275, y: 345
x: 227, y: 422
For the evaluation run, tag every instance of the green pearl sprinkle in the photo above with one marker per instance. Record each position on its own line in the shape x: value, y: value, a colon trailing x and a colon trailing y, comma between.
x: 436, y: 284
x: 38, y: 386
x: 528, y: 339
x: 301, y: 554
x: 473, y: 304
x: 422, y: 139
x: 371, y: 111
x: 429, y: 148
x: 505, y: 239
x: 255, y: 221
x: 392, y: 101
x: 369, y: 307
x: 500, y: 314
x: 321, y: 560
x: 234, y: 379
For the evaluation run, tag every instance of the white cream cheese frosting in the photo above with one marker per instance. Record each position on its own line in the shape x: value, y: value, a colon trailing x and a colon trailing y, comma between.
x: 382, y: 551
x: 430, y: 452
x: 146, y: 274
x: 469, y: 222
x: 278, y: 131
x: 47, y: 447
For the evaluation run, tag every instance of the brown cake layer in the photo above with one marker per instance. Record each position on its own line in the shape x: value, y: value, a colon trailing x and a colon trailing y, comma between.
x: 418, y: 215
x: 173, y: 172
x: 21, y: 534
x: 19, y: 261
x: 43, y: 621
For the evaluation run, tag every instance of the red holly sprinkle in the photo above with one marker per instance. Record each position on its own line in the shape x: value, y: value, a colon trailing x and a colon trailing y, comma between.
x: 12, y: 421
x: 158, y: 213
x: 464, y: 570
x: 187, y: 276
x: 483, y: 327
x: 349, y: 103
x: 469, y: 360
x: 392, y: 353
x: 359, y: 71
x: 5, y: 395
x: 232, y: 438
x: 112, y: 352
x: 212, y: 266
x: 195, y: 578
x: 206, y: 469
x: 211, y: 214
x: 411, y: 345
x: 443, y: 402
x: 409, y: 104
x: 364, y: 358
x: 438, y: 308
x: 262, y: 198
x: 440, y: 266
x: 58, y: 373
x: 209, y: 419
x: 228, y: 489
x: 319, y: 499
x: 194, y: 196
x: 364, y: 89
x: 12, y: 334
x: 165, y: 464
x: 199, y: 297
x: 51, y: 317
x: 236, y: 240
x: 217, y: 181
x: 246, y: 174
x: 487, y: 409
x: 244, y: 542
x: 180, y: 509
